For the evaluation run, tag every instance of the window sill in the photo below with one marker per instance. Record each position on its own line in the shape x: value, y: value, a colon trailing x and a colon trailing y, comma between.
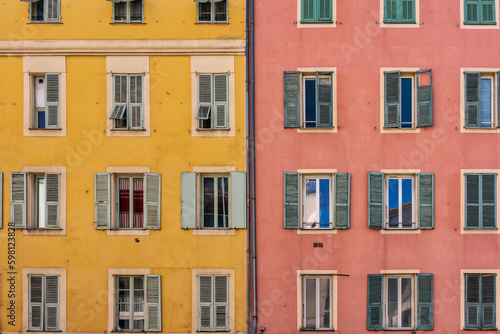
x: 228, y: 129
x: 333, y: 129
x: 43, y: 22
x: 323, y: 22
x: 128, y: 232
x: 214, y: 232
x: 128, y: 130
x: 214, y: 22
x: 317, y: 231
x: 45, y: 232
x: 119, y: 23
x: 400, y: 231
x: 38, y: 129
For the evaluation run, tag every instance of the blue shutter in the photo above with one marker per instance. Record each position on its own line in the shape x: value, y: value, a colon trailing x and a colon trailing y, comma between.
x: 390, y: 11
x: 488, y: 309
x: 375, y: 200
x: 375, y: 302
x: 424, y: 100
x: 472, y: 300
x: 426, y: 201
x: 291, y: 93
x: 392, y: 109
x: 342, y: 200
x: 472, y: 99
x: 292, y: 200
x: 324, y: 99
x: 188, y: 200
x: 425, y: 301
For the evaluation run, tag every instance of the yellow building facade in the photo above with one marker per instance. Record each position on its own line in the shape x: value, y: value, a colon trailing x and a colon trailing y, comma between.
x: 123, y: 163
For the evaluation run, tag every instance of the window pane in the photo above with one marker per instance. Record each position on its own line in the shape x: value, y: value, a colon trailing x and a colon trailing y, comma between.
x: 138, y: 202
x: 486, y: 106
x: 324, y: 303
x: 41, y: 202
x: 407, y: 202
x: 222, y: 201
x: 310, y: 303
x: 310, y: 103
x: 324, y: 203
x: 220, y: 11
x: 208, y: 202
x: 406, y: 302
x: 204, y: 11
x: 120, y: 11
x: 310, y: 201
x: 37, y: 10
x: 392, y: 302
x: 124, y: 202
x: 136, y: 10
x: 406, y: 102
x: 393, y: 190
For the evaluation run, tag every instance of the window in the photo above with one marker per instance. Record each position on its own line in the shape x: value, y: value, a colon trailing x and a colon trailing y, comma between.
x: 128, y: 109
x: 479, y: 12
x: 480, y: 201
x: 138, y: 303
x: 399, y: 11
x: 391, y: 302
x: 316, y: 11
x: 212, y: 101
x: 480, y: 304
x: 46, y: 98
x: 213, y: 303
x: 43, y: 302
x: 408, y: 99
x: 317, y: 302
x: 45, y: 11
x: 392, y: 201
x: 128, y: 11
x: 308, y: 100
x: 135, y: 200
x: 221, y: 198
x: 321, y: 204
x: 480, y: 96
x: 212, y: 11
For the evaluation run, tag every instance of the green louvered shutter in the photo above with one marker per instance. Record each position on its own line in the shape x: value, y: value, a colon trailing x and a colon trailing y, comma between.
x: 221, y: 302
x: 153, y: 303
x: 324, y: 99
x: 102, y: 183
x: 424, y: 99
x: 136, y: 113
x: 375, y: 200
x: 220, y: 101
x: 471, y: 11
x: 472, y: 217
x: 375, y: 298
x: 238, y: 199
x: 52, y: 96
x: 291, y: 94
x: 308, y: 11
x: 426, y: 201
x: 188, y: 200
x: 425, y: 307
x: 342, y: 200
x: 18, y: 200
x: 52, y: 205
x: 35, y: 283
x: 390, y: 11
x: 472, y: 99
x: 487, y: 12
x: 51, y: 303
x: 498, y: 99
x: 292, y: 200
x: 153, y: 200
x: 205, y: 303
x: 392, y: 113
x: 472, y: 295
x: 487, y: 194
x: 407, y: 10
x: 324, y: 10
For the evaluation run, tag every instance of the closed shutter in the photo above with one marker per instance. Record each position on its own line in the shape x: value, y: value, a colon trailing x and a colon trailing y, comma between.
x: 18, y: 193
x: 488, y: 12
x: 35, y: 302
x: 498, y: 99
x: 324, y: 10
x: 308, y: 11
x: 52, y: 212
x: 291, y: 95
x: 342, y: 200
x: 390, y: 11
x: 392, y: 99
x: 221, y: 302
x: 426, y: 201
x: 102, y: 183
x: 136, y: 105
x: 220, y: 101
x: 153, y: 200
x: 51, y: 303
x: 375, y: 298
x: 188, y: 200
x: 375, y: 200
x: 488, y: 301
x: 424, y: 98
x: 120, y: 100
x: 52, y: 95
x: 292, y: 200
x: 238, y: 200
x: 324, y: 102
x: 205, y: 303
x: 153, y: 303
x: 472, y: 99
x: 53, y: 8
x: 471, y: 14
x: 425, y: 307
x: 487, y: 195
x: 472, y: 293
x: 407, y: 11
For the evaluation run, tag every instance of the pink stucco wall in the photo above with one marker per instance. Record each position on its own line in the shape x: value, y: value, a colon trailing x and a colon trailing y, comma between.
x: 358, y: 47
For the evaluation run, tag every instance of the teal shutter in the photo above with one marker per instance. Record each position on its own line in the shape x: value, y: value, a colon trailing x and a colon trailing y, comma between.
x: 292, y: 200
x: 308, y: 11
x: 52, y: 209
x: 51, y: 303
x: 375, y: 200
x: 471, y: 11
x: 238, y: 199
x: 291, y: 95
x: 153, y: 200
x: 18, y: 199
x: 220, y: 101
x: 472, y: 99
x: 425, y: 200
x: 375, y: 298
x: 392, y: 113
x: 324, y: 11
x: 324, y: 84
x: 407, y: 11
x: 153, y: 303
x: 188, y: 200
x: 424, y: 100
x: 488, y: 292
x: 425, y: 301
x: 487, y: 9
x: 472, y: 302
x: 102, y: 183
x: 35, y: 302
x: 52, y: 96
x: 390, y: 11
x: 498, y: 99
x: 342, y: 200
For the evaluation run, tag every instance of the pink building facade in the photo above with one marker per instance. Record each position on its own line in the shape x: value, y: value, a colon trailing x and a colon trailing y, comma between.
x: 377, y: 159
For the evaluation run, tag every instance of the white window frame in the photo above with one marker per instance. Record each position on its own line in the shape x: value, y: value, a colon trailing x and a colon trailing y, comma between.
x: 128, y: 110
x: 491, y: 79
x: 212, y: 12
x: 317, y: 295
x: 131, y: 301
x: 317, y: 177
x: 116, y: 190
x: 386, y: 301
x: 212, y: 108
x: 400, y: 177
x: 128, y: 5
x: 303, y: 78
x: 45, y: 12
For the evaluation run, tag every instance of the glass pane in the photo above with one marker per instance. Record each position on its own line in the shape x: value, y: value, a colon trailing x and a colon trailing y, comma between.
x: 222, y: 202
x: 406, y: 302
x: 324, y: 203
x: 310, y: 209
x: 407, y: 202
x: 310, y: 103
x: 124, y: 202
x: 324, y: 303
x: 220, y: 11
x: 120, y: 11
x: 204, y: 11
x: 406, y: 102
x: 310, y: 303
x: 136, y: 10
x: 392, y: 302
x: 37, y: 10
x: 393, y: 214
x: 208, y: 202
x: 486, y: 105
x: 41, y: 202
x: 138, y: 202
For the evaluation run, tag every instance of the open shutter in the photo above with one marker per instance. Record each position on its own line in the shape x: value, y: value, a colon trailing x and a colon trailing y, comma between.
x: 35, y: 302
x: 472, y: 216
x: 342, y: 200
x: 53, y: 9
x: 472, y: 293
x: 153, y: 200
x: 472, y: 99
x: 136, y: 105
x: 425, y: 308
x: 488, y: 12
x: 488, y: 301
x: 51, y: 303
x: 102, y: 183
x: 498, y: 99
x: 52, y: 212
x: 153, y: 303
x: 291, y: 99
x: 1, y: 200
x: 220, y: 101
x: 238, y: 199
x: 324, y: 10
x: 375, y: 298
x: 487, y: 193
x: 392, y: 113
x: 308, y: 10
x: 324, y: 99
x: 52, y: 95
x: 426, y: 201
x: 188, y: 200
x: 18, y: 193
x: 120, y: 98
x: 375, y: 200
x: 221, y: 302
x: 424, y: 98
x: 205, y: 303
x: 204, y: 96
x: 291, y: 196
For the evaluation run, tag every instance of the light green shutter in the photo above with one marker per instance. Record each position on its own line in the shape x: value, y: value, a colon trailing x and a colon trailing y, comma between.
x: 205, y: 303
x: 188, y: 200
x: 392, y: 114
x: 51, y: 303
x: 220, y: 110
x: 18, y: 200
x: 35, y: 302
x: 375, y: 299
x: 153, y: 303
x: 52, y: 212
x: 120, y: 100
x: 488, y: 292
x: 291, y: 82
x: 342, y: 200
x: 425, y: 302
x: 324, y: 11
x: 52, y: 96
x: 102, y: 184
x: 308, y: 11
x: 424, y: 100
x: 53, y: 10
x: 153, y: 200
x: 375, y: 200
x: 136, y: 113
x: 238, y: 199
x: 292, y: 200
x: 205, y: 97
x: 221, y: 297
x: 324, y: 83
x: 426, y: 201
x: 472, y: 99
